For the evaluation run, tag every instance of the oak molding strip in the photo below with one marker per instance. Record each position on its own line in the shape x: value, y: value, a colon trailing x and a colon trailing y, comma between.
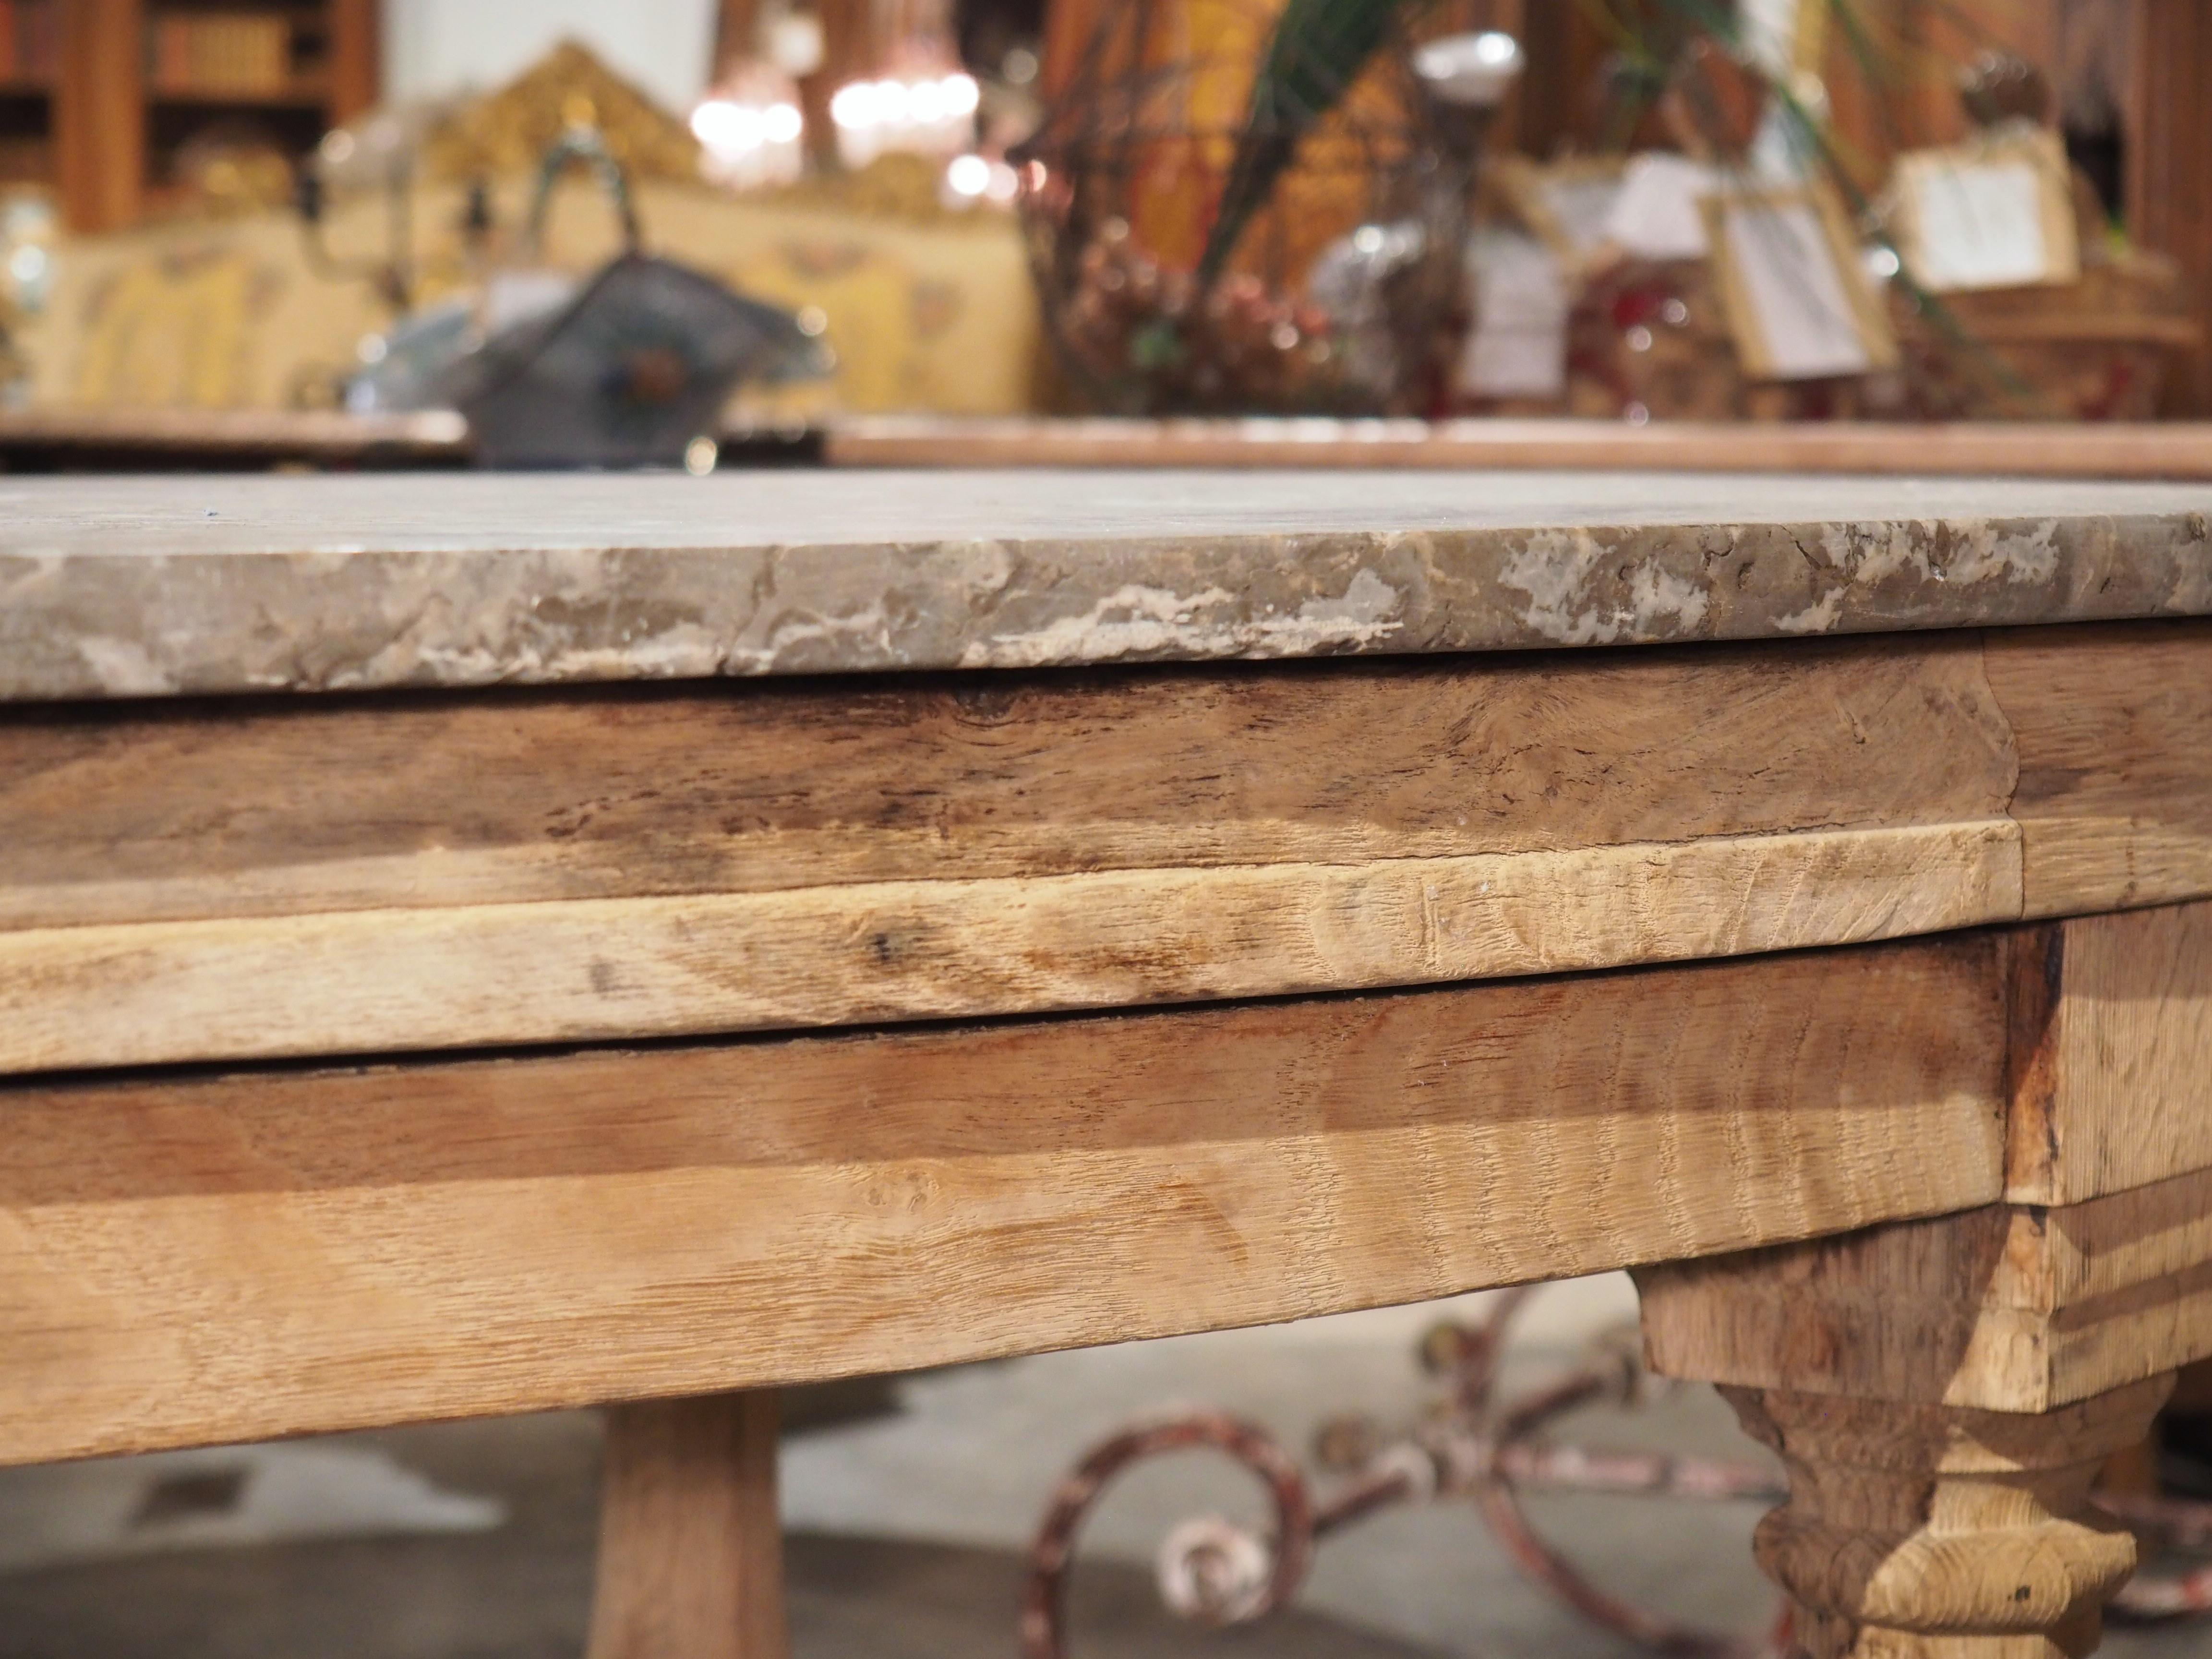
x: 211, y: 1256
x: 446, y: 977
x: 2092, y: 795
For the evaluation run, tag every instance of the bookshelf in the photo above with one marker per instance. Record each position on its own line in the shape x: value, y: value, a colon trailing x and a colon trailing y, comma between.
x: 30, y: 60
x: 134, y: 81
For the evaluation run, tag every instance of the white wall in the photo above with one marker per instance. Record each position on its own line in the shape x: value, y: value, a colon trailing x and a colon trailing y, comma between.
x: 435, y: 47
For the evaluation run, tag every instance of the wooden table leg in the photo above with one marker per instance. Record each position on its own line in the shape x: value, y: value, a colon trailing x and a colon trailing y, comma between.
x: 1934, y: 1532
x: 690, y: 1544
x: 1944, y: 1393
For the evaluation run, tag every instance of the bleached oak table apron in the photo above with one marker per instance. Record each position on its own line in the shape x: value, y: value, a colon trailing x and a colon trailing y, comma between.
x: 473, y: 945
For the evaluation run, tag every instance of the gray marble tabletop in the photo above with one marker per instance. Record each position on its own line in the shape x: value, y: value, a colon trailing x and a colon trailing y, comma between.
x: 142, y: 586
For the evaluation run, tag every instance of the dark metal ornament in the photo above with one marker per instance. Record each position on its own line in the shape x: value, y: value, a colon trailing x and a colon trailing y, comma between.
x: 633, y: 368
x: 1476, y: 1447
x: 625, y: 374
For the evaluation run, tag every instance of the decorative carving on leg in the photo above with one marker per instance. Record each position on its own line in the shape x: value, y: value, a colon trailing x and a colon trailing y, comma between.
x: 1933, y: 1532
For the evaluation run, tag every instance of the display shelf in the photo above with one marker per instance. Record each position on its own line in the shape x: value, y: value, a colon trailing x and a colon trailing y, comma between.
x: 129, y: 97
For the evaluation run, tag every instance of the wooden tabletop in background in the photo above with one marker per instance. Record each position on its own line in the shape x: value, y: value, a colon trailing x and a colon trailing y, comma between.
x: 2028, y: 450
x: 155, y: 439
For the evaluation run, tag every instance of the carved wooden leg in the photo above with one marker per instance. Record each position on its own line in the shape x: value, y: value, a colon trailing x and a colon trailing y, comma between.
x: 690, y: 1546
x: 1945, y: 1390
x: 1931, y: 1532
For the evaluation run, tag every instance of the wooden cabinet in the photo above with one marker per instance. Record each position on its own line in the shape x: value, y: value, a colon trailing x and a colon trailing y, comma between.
x: 2169, y: 160
x: 137, y: 79
x: 99, y: 115
x: 29, y: 67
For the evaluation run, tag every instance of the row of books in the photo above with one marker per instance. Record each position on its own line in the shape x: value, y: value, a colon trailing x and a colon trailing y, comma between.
x: 221, y: 51
x: 30, y: 40
x: 188, y: 52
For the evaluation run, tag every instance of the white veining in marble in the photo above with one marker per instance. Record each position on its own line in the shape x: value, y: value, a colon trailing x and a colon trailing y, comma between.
x: 152, y: 586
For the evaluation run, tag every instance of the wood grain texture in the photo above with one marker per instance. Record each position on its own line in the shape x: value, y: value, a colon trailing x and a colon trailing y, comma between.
x: 2112, y: 1040
x: 1919, y: 1532
x: 241, y: 881
x: 690, y: 1560
x: 273, y: 879
x: 147, y: 812
x: 194, y: 1259
x: 2113, y: 728
x: 2010, y: 1307
x: 498, y: 974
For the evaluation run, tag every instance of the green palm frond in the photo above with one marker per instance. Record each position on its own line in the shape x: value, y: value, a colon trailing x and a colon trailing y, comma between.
x: 1318, y: 50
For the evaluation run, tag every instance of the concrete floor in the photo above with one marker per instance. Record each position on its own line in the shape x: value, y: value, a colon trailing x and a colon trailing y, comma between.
x: 474, y: 1540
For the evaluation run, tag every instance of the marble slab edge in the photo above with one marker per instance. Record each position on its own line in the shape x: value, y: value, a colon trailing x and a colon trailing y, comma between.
x: 84, y: 625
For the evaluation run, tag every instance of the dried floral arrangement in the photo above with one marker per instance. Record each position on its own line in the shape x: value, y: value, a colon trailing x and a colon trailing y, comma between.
x: 1167, y: 240
x: 1207, y: 219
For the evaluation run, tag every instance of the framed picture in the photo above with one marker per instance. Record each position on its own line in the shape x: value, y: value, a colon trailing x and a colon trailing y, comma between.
x: 1997, y: 213
x: 1799, y: 304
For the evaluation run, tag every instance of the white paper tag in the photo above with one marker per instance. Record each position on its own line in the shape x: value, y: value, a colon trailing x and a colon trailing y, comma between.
x: 1582, y: 208
x: 1797, y: 295
x: 1656, y: 215
x: 1769, y: 31
x: 1518, y: 348
x: 1980, y: 226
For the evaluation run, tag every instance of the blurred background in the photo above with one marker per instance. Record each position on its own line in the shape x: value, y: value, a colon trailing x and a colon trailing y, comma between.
x: 914, y: 1506
x: 1623, y: 210
x: 678, y: 233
